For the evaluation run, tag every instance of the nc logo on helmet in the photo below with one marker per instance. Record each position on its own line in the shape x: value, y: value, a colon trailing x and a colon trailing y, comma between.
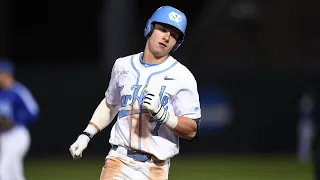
x: 173, y: 16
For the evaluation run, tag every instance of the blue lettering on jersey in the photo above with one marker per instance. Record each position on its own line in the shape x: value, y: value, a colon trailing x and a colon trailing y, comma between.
x: 162, y: 91
x: 135, y: 89
x: 164, y: 99
x: 125, y: 98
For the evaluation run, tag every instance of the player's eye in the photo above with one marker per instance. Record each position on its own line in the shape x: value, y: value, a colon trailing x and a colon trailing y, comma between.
x: 163, y: 29
x: 174, y: 35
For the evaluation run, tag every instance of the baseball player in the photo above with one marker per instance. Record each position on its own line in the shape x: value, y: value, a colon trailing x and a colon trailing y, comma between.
x: 157, y: 102
x: 17, y: 110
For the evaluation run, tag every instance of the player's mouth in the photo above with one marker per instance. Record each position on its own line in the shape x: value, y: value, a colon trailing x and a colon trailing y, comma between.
x: 162, y: 45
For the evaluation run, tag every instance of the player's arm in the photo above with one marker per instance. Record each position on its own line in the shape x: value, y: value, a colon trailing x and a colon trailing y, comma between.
x: 5, y: 124
x: 101, y: 118
x: 182, y: 126
x: 26, y: 107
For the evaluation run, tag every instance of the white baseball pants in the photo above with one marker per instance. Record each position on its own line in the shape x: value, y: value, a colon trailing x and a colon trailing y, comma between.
x: 14, y: 145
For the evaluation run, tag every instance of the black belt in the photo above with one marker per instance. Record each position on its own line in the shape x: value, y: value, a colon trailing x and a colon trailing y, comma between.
x: 136, y: 155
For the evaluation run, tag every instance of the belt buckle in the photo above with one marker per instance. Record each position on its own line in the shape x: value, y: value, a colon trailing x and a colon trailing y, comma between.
x: 139, y: 156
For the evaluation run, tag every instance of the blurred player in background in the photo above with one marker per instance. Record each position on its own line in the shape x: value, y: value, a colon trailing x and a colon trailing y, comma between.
x: 316, y: 138
x: 17, y: 109
x: 157, y: 102
x: 306, y: 127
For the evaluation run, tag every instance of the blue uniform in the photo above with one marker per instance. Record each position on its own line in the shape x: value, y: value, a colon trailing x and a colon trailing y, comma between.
x: 18, y: 106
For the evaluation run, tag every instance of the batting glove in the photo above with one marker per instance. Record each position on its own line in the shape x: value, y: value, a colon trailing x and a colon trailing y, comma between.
x: 79, y: 146
x: 152, y: 103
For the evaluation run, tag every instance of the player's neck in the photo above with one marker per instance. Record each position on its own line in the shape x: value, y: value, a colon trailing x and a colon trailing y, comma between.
x: 7, y: 84
x: 149, y: 58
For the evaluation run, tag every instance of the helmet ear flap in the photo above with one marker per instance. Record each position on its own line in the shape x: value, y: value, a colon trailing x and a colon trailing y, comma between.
x: 151, y: 28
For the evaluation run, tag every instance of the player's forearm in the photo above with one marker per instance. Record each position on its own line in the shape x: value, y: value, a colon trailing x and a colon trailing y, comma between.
x: 101, y: 118
x: 27, y: 118
x: 185, y: 127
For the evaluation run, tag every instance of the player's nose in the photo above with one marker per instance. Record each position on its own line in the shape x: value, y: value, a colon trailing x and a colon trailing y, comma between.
x: 166, y: 37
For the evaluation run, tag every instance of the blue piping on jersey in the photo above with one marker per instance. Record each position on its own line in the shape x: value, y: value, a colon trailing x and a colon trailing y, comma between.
x: 155, y: 73
x: 137, y: 82
x: 25, y: 108
x: 147, y: 64
x: 146, y: 85
x: 140, y: 129
x: 135, y: 69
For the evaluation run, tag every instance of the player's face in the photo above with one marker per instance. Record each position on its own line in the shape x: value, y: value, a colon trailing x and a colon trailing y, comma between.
x: 4, y: 79
x: 162, y: 39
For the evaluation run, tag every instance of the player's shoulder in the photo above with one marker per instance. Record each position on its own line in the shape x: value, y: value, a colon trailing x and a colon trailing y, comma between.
x: 21, y: 90
x: 26, y: 96
x: 18, y: 87
x: 183, y: 70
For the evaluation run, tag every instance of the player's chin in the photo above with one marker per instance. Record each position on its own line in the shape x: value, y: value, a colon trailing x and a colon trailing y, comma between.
x: 161, y: 52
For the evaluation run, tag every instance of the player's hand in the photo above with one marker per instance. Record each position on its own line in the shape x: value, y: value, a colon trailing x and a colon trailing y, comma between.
x: 5, y: 124
x: 152, y: 103
x: 79, y: 146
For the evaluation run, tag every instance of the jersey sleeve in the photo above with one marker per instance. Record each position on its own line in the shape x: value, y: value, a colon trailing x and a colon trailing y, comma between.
x: 27, y: 109
x: 186, y: 102
x: 113, y: 92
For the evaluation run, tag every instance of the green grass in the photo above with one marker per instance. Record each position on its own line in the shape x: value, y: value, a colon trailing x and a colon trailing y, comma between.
x: 182, y: 168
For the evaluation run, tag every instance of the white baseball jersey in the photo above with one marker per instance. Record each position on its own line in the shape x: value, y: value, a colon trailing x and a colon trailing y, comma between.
x: 135, y: 128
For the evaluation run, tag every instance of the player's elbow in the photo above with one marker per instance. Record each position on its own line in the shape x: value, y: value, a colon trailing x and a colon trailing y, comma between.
x: 188, y: 128
x: 193, y: 132
x: 191, y: 135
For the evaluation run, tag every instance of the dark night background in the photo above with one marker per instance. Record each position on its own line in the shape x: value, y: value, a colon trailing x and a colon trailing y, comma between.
x: 261, y: 54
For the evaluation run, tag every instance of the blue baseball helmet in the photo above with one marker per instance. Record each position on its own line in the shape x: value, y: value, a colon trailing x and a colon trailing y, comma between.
x: 6, y: 65
x: 171, y: 16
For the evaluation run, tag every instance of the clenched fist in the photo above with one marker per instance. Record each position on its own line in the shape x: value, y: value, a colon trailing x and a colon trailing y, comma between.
x: 152, y: 103
x: 79, y: 146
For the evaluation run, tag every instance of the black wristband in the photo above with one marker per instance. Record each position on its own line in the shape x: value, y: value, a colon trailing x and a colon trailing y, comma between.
x: 87, y: 134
